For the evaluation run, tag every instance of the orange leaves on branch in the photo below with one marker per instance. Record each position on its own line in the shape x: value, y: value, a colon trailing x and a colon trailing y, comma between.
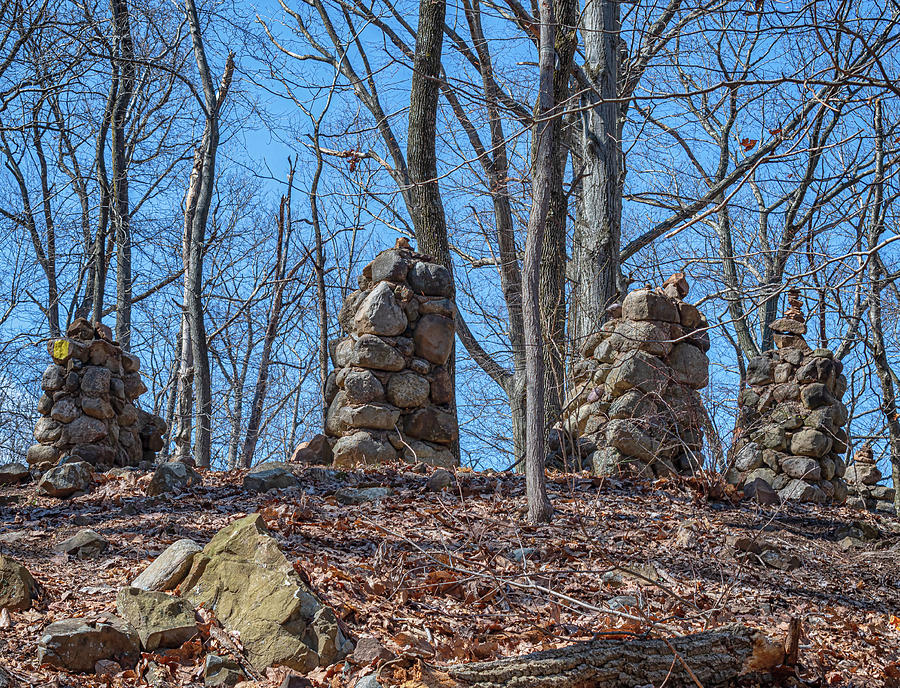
x: 748, y: 144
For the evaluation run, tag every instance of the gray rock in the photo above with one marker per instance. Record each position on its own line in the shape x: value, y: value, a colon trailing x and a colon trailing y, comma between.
x: 759, y: 371
x: 760, y: 491
x: 689, y: 365
x: 84, y: 430
x: 78, y: 644
x: 370, y: 351
x: 407, y: 389
x: 815, y: 395
x: 863, y: 473
x: 95, y: 381
x: 748, y: 457
x: 521, y: 554
x: 101, y: 409
x: 633, y: 404
x: 361, y: 387
x: 16, y: 585
x: 809, y: 442
x: 369, y: 650
x: 433, y: 424
x: 430, y: 279
x: 65, y: 410
x: 370, y: 681
x: 434, y: 337
x: 47, y: 430
x: 271, y: 475
x: 348, y: 312
x: 380, y: 314
x: 172, y: 476
x: 160, y: 620
x: 803, y: 467
x: 84, y: 544
x: 361, y: 495
x: 362, y: 448
x: 630, y: 438
x: 65, y: 480
x: 221, y: 671
x: 370, y: 416
x: 12, y: 473
x: 653, y: 337
x: 647, y: 304
x: 315, y: 451
x: 54, y: 378
x: 440, y: 480
x: 432, y: 454
x: 169, y: 568
x: 801, y: 491
x: 388, y: 265
x: 41, y: 455
x: 637, y: 369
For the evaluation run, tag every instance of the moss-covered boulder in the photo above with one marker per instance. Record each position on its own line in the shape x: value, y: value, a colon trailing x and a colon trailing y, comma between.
x: 244, y: 578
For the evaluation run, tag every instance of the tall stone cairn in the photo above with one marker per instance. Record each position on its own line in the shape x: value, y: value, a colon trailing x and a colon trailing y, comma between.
x: 863, y: 489
x: 635, y: 408
x: 390, y: 394
x: 88, y: 406
x: 791, y: 421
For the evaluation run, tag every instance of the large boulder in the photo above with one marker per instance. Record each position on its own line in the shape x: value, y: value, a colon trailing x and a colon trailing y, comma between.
x: 647, y: 304
x: 408, y: 389
x: 370, y: 351
x: 169, y: 568
x: 316, y: 451
x: 690, y: 366
x: 430, y: 279
x: 65, y: 480
x: 160, y: 620
x: 271, y: 475
x: 433, y: 424
x: 78, y: 644
x: 172, y: 476
x: 243, y: 577
x: 16, y: 585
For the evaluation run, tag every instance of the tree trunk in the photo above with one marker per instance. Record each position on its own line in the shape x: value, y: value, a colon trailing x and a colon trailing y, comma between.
x: 553, y: 249
x: 262, y: 378
x: 543, y: 163
x: 208, y: 148
x: 595, y: 250
x: 709, y: 658
x: 120, y: 201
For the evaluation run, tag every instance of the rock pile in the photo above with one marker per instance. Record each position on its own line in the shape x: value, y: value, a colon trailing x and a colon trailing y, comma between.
x: 791, y: 419
x: 863, y: 489
x: 635, y: 406
x: 390, y: 394
x: 88, y: 410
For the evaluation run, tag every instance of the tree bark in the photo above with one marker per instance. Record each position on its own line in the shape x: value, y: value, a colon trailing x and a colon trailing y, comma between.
x: 595, y: 250
x: 207, y: 176
x: 553, y: 249
x: 120, y: 201
x: 543, y: 163
x: 714, y: 658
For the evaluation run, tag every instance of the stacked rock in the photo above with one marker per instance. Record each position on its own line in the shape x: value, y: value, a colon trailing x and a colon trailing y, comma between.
x: 390, y: 395
x: 863, y: 489
x: 791, y: 421
x: 634, y: 407
x: 88, y: 410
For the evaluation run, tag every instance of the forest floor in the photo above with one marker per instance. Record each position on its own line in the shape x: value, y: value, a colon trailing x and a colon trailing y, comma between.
x: 455, y: 576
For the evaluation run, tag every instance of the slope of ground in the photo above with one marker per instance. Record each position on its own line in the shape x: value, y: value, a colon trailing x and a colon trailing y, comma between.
x: 454, y: 576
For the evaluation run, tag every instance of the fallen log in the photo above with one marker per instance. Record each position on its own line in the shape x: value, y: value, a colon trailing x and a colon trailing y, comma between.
x: 705, y: 659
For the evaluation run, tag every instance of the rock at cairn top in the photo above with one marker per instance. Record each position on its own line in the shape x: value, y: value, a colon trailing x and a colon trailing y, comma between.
x: 792, y: 325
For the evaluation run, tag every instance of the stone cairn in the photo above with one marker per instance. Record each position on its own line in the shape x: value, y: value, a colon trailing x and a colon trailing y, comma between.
x: 88, y: 410
x: 863, y: 489
x: 390, y: 395
x: 634, y: 408
x: 791, y: 422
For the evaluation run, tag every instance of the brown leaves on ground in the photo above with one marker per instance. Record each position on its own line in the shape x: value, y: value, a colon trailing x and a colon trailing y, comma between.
x: 456, y: 576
